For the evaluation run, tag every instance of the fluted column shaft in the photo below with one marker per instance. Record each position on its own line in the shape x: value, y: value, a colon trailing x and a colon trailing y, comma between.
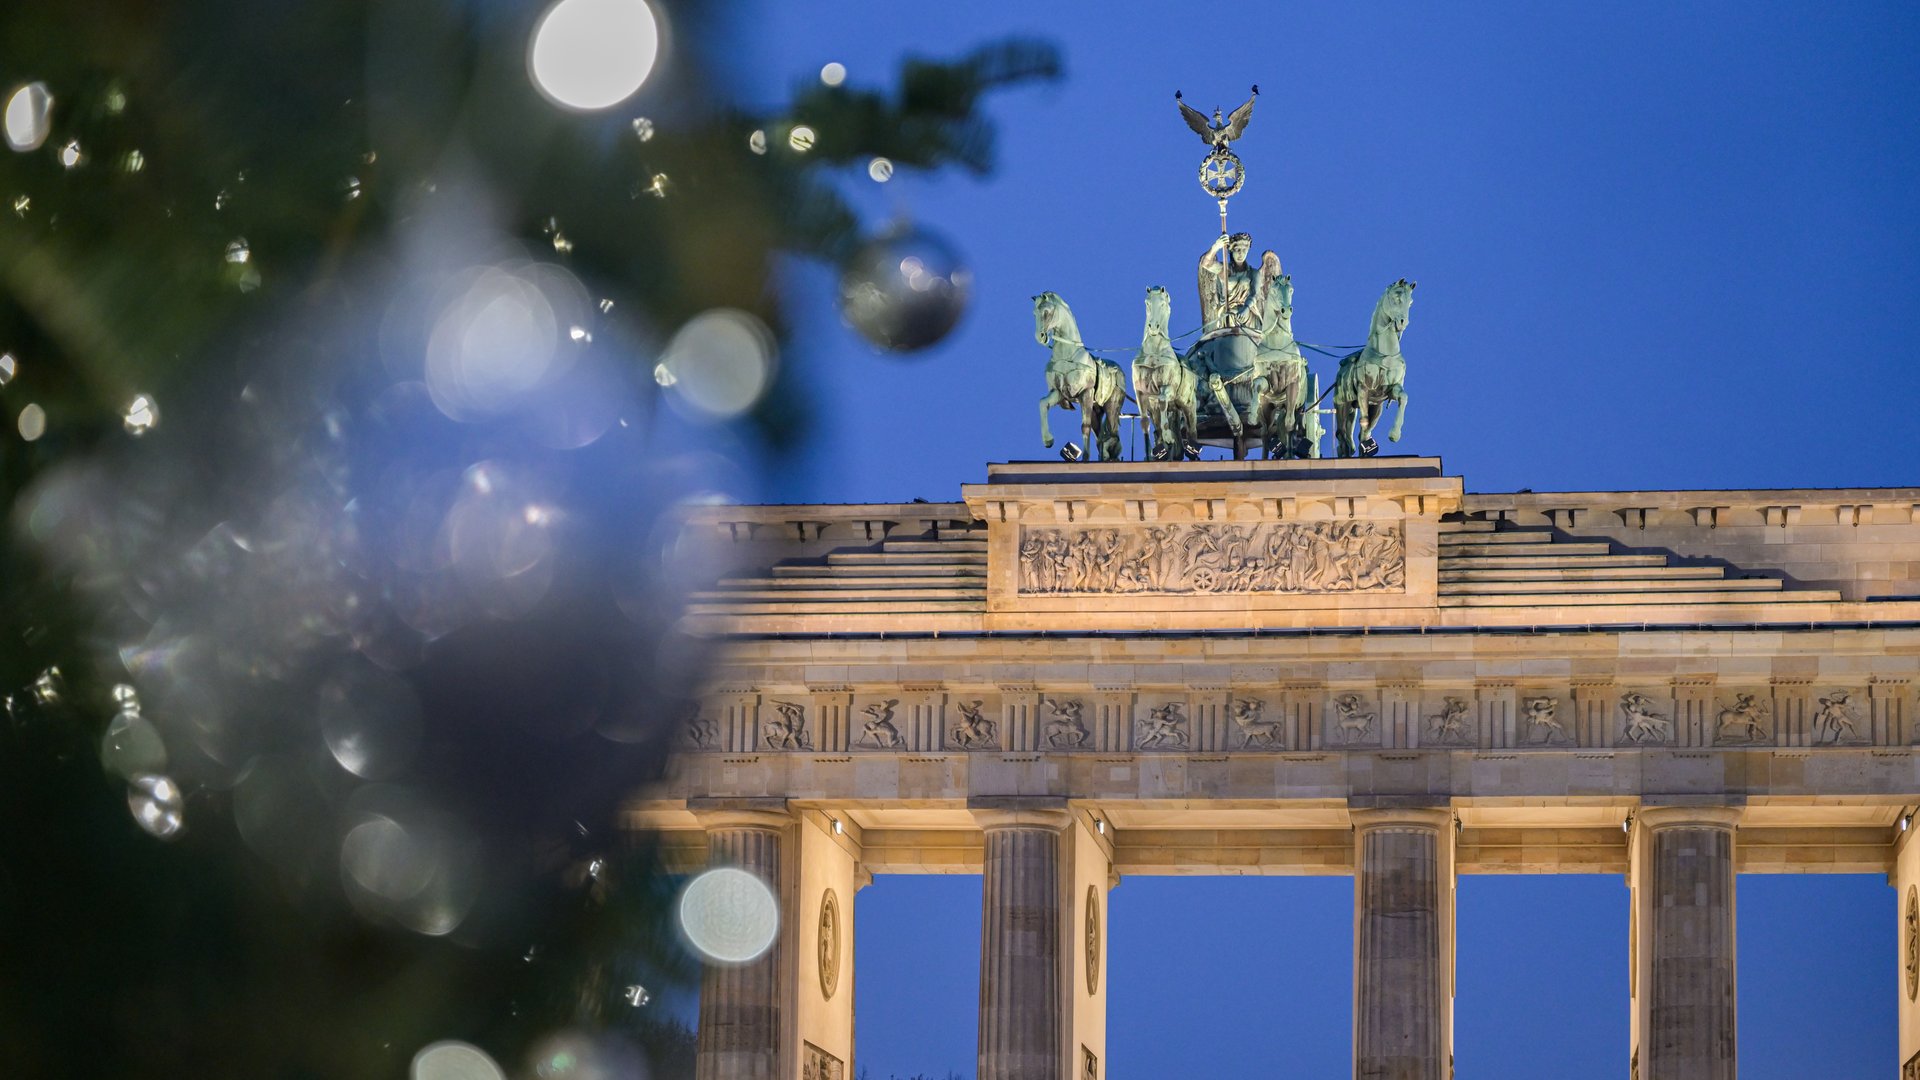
x: 1684, y: 933
x: 740, y: 1004
x: 1021, y: 1014
x: 1403, y: 945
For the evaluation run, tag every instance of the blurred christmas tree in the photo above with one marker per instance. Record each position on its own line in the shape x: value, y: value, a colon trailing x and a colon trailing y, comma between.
x: 338, y: 577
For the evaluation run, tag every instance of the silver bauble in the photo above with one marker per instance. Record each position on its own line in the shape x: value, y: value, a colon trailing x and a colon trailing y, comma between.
x: 905, y: 289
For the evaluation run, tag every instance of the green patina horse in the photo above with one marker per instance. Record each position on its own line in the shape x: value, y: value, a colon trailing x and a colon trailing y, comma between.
x: 1373, y: 376
x: 1077, y: 380
x: 1166, y: 389
x: 1279, y: 373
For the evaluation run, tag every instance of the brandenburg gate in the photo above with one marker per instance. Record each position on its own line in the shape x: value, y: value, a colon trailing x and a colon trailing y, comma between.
x: 1083, y: 672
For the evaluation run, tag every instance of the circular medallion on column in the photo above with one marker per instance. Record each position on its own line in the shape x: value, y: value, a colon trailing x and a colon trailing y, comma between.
x: 829, y: 944
x: 1093, y: 940
x: 1913, y: 941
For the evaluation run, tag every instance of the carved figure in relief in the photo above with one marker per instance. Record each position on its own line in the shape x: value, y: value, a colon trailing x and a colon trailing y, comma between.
x: 1356, y: 720
x: 1836, y: 714
x: 974, y: 731
x: 701, y: 730
x: 1745, y: 719
x: 1541, y: 720
x: 1282, y: 557
x: 1064, y: 727
x: 1167, y: 723
x: 1076, y: 379
x: 1451, y: 723
x: 788, y: 730
x: 1246, y: 714
x: 1643, y: 723
x: 878, y: 731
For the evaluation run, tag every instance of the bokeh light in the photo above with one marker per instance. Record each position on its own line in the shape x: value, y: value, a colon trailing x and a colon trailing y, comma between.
x: 32, y: 422
x: 729, y: 915
x: 141, y: 415
x: 9, y: 367
x: 70, y: 155
x: 757, y: 142
x: 880, y: 170
x: 454, y: 1060
x: 642, y: 128
x: 157, y: 805
x: 499, y: 339
x: 800, y: 138
x: 593, y: 54
x: 719, y: 364
x: 132, y: 747
x: 834, y: 73
x: 29, y: 116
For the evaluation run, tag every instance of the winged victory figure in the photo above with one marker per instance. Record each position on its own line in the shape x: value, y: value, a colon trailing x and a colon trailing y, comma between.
x: 1217, y: 133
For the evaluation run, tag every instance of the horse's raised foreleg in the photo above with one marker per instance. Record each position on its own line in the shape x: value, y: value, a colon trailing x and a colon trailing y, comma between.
x: 1047, y: 404
x: 1343, y: 428
x: 1399, y: 415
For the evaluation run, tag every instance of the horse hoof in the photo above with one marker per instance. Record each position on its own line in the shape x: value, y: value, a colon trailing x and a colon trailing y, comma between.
x: 1368, y: 448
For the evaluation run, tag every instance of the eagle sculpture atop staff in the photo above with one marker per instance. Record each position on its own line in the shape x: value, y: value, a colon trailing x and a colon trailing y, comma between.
x: 1221, y: 174
x: 1218, y: 133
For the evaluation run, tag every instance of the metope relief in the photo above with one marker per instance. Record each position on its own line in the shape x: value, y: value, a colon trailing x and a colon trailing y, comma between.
x: 1065, y: 730
x: 1743, y: 721
x: 1164, y: 727
x: 974, y: 730
x: 1642, y: 721
x: 1185, y: 560
x: 1453, y: 724
x: 786, y: 729
x: 697, y: 729
x: 878, y: 730
x: 1543, y: 724
x: 1256, y: 728
x: 1837, y: 719
x: 1355, y: 721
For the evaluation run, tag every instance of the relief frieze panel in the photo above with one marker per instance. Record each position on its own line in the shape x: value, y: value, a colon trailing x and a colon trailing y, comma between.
x: 1282, y: 718
x: 1179, y: 559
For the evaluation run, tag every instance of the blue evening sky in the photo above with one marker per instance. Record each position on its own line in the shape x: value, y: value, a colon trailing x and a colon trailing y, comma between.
x: 1658, y: 246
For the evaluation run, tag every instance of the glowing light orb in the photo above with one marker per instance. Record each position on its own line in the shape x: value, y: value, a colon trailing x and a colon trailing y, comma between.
x: 719, y: 364
x: 593, y: 54
x: 834, y: 74
x: 880, y: 169
x: 141, y: 415
x: 453, y: 1060
x: 729, y: 915
x: 801, y: 139
x: 32, y: 422
x: 29, y: 117
x: 157, y: 804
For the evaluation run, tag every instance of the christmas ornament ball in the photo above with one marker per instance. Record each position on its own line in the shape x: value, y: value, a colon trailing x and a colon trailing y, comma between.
x: 904, y: 289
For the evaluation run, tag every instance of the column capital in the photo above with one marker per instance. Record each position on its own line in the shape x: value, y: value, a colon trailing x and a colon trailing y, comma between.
x: 768, y: 814
x: 1654, y: 818
x: 1368, y: 818
x: 1020, y: 812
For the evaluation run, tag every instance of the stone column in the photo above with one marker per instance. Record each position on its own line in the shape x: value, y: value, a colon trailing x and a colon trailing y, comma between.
x: 1022, y: 1021
x: 1906, y: 882
x: 742, y: 1007
x: 1681, y: 937
x: 1403, y: 944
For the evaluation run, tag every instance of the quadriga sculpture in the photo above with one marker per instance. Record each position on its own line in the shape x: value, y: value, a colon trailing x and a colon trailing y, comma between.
x: 1279, y: 370
x: 1076, y: 380
x: 1373, y: 376
x: 1165, y: 388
